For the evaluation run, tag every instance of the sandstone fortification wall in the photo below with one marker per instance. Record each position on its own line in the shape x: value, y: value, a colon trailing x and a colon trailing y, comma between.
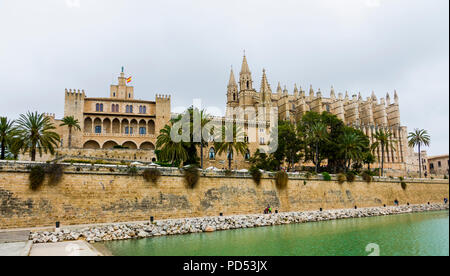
x: 98, y: 194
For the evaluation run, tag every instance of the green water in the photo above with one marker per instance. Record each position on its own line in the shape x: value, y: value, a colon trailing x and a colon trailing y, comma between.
x: 420, y: 234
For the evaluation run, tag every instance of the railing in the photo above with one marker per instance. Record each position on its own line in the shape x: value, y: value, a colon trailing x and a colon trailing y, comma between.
x: 153, y: 136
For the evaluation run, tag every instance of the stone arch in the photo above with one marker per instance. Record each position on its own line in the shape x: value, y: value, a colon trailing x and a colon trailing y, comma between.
x: 116, y: 126
x: 142, y: 127
x: 91, y: 144
x: 107, y: 125
x: 109, y: 145
x: 130, y: 145
x: 98, y: 123
x: 125, y: 125
x: 134, y: 126
x: 151, y: 127
x: 147, y: 146
x: 88, y: 125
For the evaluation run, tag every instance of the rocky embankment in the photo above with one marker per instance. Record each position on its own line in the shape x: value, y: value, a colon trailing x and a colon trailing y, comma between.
x: 210, y: 224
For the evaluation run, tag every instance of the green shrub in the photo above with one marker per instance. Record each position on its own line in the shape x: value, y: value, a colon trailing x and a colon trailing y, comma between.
x: 308, y: 175
x: 151, y: 175
x: 191, y: 176
x: 111, y: 170
x: 304, y: 182
x: 367, y: 176
x: 256, y: 174
x: 281, y: 179
x: 401, y: 178
x: 326, y: 176
x: 228, y: 172
x: 37, y: 176
x: 350, y: 176
x: 342, y: 178
x: 445, y: 177
x: 404, y: 186
x: 55, y: 173
x: 132, y: 170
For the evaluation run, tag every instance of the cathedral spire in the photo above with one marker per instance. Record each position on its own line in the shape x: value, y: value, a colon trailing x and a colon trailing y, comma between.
x: 245, y: 79
x: 232, y: 81
x: 332, y: 94
x: 311, y: 91
x: 245, y: 68
x: 266, y: 92
x: 395, y: 96
x: 279, y: 91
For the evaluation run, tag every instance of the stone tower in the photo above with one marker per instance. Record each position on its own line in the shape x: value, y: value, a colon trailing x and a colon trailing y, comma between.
x: 74, y: 106
x: 246, y: 91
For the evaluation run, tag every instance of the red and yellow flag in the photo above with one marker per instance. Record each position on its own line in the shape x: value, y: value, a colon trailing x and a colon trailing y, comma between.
x: 129, y: 80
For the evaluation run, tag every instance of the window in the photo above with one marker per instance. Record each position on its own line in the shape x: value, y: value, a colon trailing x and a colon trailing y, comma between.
x: 431, y: 166
x: 439, y: 164
x: 230, y: 156
x: 212, y: 154
x: 129, y: 95
x: 247, y: 155
x: 327, y: 108
x: 261, y: 141
x: 127, y: 130
x: 144, y: 110
x: 98, y: 129
x: 234, y: 97
x: 142, y: 131
x: 113, y: 108
x: 131, y: 109
x: 114, y: 94
x: 97, y: 107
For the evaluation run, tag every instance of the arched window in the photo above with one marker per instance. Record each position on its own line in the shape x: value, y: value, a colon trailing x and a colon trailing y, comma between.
x: 127, y: 109
x: 117, y: 108
x: 140, y: 109
x: 234, y: 96
x: 248, y: 84
x: 113, y: 108
x: 212, y: 154
x: 101, y: 107
x: 97, y: 107
x: 144, y: 109
x: 131, y: 109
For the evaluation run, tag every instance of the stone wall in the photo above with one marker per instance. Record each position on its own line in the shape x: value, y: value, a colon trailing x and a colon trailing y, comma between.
x: 97, y: 196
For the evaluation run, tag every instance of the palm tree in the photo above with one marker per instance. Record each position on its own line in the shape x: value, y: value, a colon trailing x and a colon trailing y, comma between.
x: 14, y: 147
x: 419, y: 138
x: 317, y: 134
x: 369, y: 159
x: 6, y: 133
x: 36, y: 132
x: 383, y: 142
x: 204, y: 120
x: 352, y: 146
x: 170, y: 150
x: 70, y: 122
x: 231, y: 146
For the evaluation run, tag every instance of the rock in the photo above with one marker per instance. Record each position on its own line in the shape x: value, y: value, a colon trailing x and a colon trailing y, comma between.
x: 210, y: 229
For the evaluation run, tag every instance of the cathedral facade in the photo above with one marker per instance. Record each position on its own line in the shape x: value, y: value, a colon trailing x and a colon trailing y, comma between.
x: 368, y: 115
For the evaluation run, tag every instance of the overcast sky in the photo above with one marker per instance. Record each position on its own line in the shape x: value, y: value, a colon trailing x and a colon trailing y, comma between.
x: 186, y: 48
